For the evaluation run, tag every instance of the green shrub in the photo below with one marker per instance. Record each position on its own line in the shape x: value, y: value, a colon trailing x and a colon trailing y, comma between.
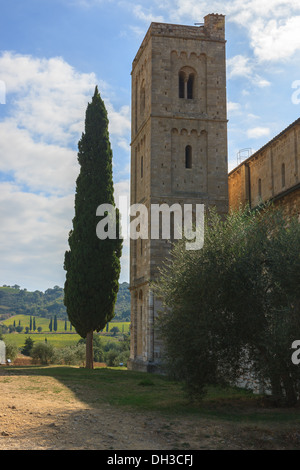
x: 43, y: 352
x: 26, y: 350
x: 11, y: 351
x: 70, y: 355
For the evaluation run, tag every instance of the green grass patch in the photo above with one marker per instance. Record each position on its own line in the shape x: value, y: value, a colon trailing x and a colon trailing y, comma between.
x: 24, y: 321
x: 58, y: 340
x: 128, y: 389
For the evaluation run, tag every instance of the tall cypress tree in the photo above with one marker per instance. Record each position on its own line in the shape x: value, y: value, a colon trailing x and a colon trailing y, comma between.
x: 92, y: 265
x: 55, y: 323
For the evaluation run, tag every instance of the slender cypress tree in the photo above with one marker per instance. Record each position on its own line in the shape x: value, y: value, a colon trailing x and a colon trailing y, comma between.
x: 92, y: 265
x: 55, y: 323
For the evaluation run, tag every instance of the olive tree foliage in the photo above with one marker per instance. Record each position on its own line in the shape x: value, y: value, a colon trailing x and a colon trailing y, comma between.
x: 234, y: 305
x: 43, y: 353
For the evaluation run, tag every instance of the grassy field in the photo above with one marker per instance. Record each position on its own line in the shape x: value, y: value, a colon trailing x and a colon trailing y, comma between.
x: 24, y: 321
x: 58, y: 339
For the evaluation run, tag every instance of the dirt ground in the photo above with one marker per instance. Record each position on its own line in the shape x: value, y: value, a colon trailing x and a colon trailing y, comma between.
x: 40, y: 413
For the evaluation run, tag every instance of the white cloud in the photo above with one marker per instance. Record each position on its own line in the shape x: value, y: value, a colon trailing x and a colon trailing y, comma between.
x: 33, y: 237
x: 145, y: 14
x: 241, y: 66
x: 275, y: 39
x: 50, y: 96
x: 39, y: 166
x: 45, y: 112
x: 233, y: 107
x: 38, y: 140
x: 272, y: 26
x: 257, y: 132
x: 119, y: 121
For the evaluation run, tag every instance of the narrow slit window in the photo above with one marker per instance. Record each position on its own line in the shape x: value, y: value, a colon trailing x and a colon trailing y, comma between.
x: 181, y: 84
x: 188, y: 156
x: 142, y: 98
x: 283, y: 175
x: 190, y: 87
x: 142, y: 167
x: 259, y: 187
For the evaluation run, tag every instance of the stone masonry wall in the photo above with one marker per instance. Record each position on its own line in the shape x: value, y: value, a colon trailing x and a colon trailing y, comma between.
x: 270, y: 174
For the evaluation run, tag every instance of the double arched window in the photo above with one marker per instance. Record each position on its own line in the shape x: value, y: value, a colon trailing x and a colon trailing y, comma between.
x: 186, y: 83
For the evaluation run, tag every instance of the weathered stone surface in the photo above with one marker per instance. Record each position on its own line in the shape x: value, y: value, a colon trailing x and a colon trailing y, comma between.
x: 178, y: 150
x: 270, y: 174
x: 2, y: 352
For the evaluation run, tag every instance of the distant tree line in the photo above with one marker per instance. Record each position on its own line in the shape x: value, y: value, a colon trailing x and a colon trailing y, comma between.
x: 17, y: 301
x: 53, y: 326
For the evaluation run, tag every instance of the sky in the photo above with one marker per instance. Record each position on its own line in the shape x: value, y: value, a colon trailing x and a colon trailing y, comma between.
x: 52, y: 55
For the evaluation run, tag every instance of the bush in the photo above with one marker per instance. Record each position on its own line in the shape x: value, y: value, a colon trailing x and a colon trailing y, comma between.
x: 26, y: 350
x: 115, y: 354
x: 234, y: 304
x: 11, y: 351
x: 70, y: 355
x: 111, y: 358
x: 43, y: 352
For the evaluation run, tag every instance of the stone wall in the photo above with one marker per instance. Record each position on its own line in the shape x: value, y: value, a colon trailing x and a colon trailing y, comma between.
x: 178, y: 150
x: 270, y: 174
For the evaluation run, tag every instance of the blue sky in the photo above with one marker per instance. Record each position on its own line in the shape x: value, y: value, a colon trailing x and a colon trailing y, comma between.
x: 54, y: 52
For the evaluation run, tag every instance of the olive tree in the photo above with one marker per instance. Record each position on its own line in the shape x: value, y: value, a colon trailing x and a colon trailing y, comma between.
x: 234, y: 305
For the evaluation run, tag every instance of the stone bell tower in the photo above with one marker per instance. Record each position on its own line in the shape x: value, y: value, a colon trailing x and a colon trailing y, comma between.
x: 178, y: 150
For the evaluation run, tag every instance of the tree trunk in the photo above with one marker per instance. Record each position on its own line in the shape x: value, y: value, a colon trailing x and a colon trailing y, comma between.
x: 277, y: 395
x: 291, y: 396
x: 89, y: 355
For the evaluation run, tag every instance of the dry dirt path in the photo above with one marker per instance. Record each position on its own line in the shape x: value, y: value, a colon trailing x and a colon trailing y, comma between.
x: 40, y: 413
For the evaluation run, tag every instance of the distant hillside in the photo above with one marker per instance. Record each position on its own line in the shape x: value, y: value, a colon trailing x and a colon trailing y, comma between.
x: 14, y: 300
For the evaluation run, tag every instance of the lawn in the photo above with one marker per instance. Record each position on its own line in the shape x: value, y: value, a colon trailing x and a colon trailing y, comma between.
x: 115, y: 409
x: 155, y: 393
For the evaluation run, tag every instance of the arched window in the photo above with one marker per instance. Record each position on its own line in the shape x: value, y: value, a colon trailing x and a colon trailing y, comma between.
x: 186, y: 83
x: 283, y: 175
x: 188, y: 156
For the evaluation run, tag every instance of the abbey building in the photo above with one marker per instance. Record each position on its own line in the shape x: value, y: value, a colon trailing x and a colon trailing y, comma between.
x: 178, y: 151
